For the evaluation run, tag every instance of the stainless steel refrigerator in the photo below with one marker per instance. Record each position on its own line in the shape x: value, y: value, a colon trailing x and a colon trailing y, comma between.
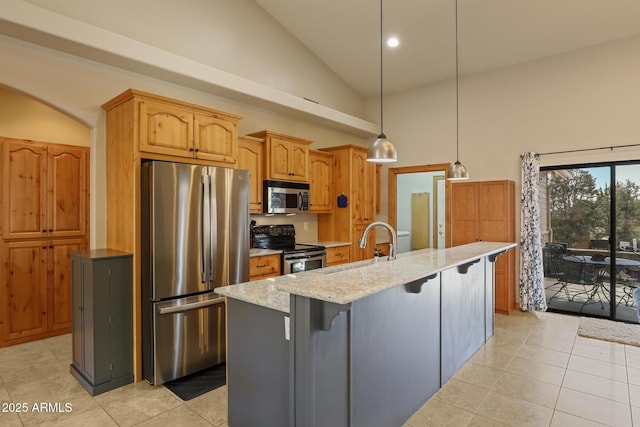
x: 195, y: 237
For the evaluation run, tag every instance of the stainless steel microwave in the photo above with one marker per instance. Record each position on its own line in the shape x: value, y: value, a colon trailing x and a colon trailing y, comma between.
x: 280, y: 197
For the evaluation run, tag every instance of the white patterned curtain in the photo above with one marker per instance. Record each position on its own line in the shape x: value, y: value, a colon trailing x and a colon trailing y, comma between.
x: 532, y: 297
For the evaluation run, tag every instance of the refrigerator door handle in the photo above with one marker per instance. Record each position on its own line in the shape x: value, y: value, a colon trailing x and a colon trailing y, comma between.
x: 205, y: 227
x: 191, y: 306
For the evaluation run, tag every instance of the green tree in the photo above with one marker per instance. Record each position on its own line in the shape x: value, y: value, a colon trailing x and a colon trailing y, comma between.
x: 627, y: 211
x: 573, y: 201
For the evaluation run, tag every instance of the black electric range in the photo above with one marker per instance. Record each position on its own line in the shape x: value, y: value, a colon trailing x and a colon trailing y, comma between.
x: 296, y: 257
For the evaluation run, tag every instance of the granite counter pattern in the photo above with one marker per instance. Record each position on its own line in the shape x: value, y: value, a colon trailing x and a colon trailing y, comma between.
x: 346, y: 283
x: 262, y: 252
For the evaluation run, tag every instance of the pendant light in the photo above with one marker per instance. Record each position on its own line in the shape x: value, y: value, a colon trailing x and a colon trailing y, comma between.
x: 382, y: 150
x: 457, y: 171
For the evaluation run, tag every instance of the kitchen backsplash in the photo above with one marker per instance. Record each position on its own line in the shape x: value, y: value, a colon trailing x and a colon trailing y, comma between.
x: 304, y: 233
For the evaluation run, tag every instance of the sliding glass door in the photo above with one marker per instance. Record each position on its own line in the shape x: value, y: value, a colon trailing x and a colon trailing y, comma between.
x: 590, y: 228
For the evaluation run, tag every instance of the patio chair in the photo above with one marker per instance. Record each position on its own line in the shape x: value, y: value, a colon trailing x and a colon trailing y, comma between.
x: 553, y: 256
x: 577, y: 279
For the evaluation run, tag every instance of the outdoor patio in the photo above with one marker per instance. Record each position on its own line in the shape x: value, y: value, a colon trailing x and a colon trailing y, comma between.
x: 591, y: 299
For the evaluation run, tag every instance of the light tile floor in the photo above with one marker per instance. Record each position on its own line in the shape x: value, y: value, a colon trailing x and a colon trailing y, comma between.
x: 535, y: 371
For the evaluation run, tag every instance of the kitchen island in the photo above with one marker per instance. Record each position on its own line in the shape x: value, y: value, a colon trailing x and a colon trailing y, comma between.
x: 360, y: 344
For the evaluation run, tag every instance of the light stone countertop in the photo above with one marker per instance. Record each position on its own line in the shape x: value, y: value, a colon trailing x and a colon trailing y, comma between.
x: 327, y: 243
x: 346, y: 283
x: 261, y: 252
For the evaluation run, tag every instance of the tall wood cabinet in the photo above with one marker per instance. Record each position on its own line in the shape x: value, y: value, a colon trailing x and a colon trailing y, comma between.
x: 44, y: 209
x: 486, y: 211
x: 131, y: 124
x: 354, y: 177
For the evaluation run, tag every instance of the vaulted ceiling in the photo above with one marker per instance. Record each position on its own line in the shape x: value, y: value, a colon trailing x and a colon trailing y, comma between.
x: 345, y: 34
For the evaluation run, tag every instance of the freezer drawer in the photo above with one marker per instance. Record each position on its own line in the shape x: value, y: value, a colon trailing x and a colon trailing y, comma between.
x: 188, y: 336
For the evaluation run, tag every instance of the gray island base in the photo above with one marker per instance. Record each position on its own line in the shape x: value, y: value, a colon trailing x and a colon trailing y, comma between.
x: 364, y: 344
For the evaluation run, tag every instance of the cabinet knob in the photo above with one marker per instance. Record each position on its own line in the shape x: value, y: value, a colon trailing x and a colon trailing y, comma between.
x: 261, y: 266
x: 51, y: 230
x: 196, y: 150
x: 44, y: 231
x: 191, y: 149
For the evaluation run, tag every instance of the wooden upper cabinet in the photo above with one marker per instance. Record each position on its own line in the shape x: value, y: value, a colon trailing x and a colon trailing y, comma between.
x: 215, y: 138
x: 44, y: 190
x: 286, y: 157
x: 169, y: 129
x: 24, y: 189
x: 67, y: 182
x: 320, y: 183
x: 165, y: 129
x: 250, y: 157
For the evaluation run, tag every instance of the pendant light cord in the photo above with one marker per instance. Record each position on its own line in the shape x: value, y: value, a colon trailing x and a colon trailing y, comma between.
x: 457, y: 91
x: 381, y: 115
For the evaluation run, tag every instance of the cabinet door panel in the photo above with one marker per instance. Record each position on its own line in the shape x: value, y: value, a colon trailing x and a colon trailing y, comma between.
x: 362, y: 191
x: 24, y: 190
x: 250, y: 155
x: 299, y: 157
x: 493, y: 211
x: 279, y: 159
x: 320, y: 182
x: 67, y: 182
x: 24, y: 293
x: 59, y: 300
x: 464, y: 213
x: 165, y: 129
x: 215, y: 139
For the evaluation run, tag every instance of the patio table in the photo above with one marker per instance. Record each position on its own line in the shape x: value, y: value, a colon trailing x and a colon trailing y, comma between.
x: 629, y: 282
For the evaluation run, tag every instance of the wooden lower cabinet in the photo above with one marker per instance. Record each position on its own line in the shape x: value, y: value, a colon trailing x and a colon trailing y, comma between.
x: 265, y: 266
x: 338, y: 255
x: 36, y: 296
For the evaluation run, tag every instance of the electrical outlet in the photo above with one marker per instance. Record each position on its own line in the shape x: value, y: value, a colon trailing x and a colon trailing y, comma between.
x: 305, y: 225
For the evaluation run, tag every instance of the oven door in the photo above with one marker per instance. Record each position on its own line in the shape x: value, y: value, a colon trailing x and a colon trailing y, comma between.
x: 296, y: 263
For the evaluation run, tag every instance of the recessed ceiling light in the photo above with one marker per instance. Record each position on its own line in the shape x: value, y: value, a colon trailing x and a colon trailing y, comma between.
x: 393, y: 42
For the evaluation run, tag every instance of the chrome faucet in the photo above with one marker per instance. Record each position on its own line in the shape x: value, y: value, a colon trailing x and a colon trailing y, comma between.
x: 394, y: 238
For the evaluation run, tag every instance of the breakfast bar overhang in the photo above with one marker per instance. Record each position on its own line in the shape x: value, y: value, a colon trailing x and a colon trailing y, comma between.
x: 361, y: 344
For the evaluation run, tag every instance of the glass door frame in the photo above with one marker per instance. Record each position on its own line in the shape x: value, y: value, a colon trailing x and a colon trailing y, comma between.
x: 613, y: 249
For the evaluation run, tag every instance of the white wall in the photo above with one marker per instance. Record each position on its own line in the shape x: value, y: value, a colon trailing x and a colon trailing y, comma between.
x: 584, y: 99
x: 237, y: 36
x: 22, y: 117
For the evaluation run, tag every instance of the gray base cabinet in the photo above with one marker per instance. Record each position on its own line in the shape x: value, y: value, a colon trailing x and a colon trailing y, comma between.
x: 102, y: 327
